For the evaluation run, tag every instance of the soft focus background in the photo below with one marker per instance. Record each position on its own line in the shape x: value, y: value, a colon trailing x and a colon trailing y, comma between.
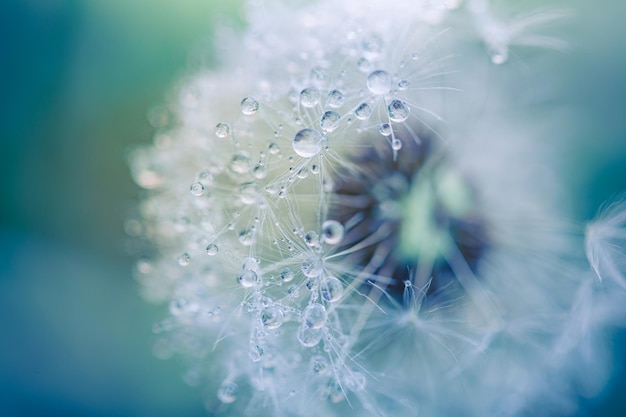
x: 78, y: 78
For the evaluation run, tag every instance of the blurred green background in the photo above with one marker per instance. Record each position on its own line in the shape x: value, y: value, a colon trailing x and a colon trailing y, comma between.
x: 77, y: 80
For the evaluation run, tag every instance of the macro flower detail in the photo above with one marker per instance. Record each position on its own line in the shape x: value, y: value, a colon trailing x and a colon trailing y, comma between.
x: 332, y: 235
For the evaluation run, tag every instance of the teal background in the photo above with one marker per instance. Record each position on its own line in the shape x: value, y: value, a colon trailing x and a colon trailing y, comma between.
x: 77, y: 80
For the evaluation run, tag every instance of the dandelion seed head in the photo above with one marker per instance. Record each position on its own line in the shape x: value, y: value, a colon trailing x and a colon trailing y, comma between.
x: 328, y: 243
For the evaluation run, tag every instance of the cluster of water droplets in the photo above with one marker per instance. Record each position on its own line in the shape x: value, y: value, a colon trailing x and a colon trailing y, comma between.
x: 239, y: 207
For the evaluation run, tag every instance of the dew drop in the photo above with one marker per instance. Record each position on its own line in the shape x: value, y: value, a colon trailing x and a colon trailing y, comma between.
x: 309, y: 337
x: 331, y: 289
x: 364, y: 65
x: 212, y: 249
x: 248, y: 193
x: 184, y: 259
x: 332, y: 232
x: 222, y: 130
x: 319, y: 365
x: 228, y: 392
x: 372, y: 46
x: 246, y: 237
x: 311, y: 238
x: 363, y: 111
x: 330, y: 121
x: 385, y: 129
x: 314, y: 316
x: 248, y: 279
x: 312, y: 267
x: 259, y: 171
x: 307, y: 143
x: 240, y: 163
x: 403, y: 85
x: 249, y: 106
x: 255, y: 352
x: 315, y: 169
x: 398, y: 111
x: 309, y: 97
x: 196, y: 189
x: 250, y: 264
x: 379, y: 82
x: 335, y: 99
x: 303, y: 173
x: 286, y: 275
x: 396, y: 144
x: 498, y: 54
x: 272, y: 317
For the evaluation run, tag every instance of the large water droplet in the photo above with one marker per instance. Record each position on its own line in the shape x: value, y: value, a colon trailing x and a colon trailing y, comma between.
x: 312, y: 267
x: 398, y: 111
x: 228, y: 392
x: 379, y: 82
x: 249, y: 106
x: 335, y: 99
x: 309, y: 337
x: 332, y: 232
x: 314, y: 316
x: 272, y: 317
x: 330, y: 121
x: 307, y: 143
x: 212, y: 249
x: 248, y: 279
x: 309, y: 97
x: 363, y: 111
x: 331, y: 289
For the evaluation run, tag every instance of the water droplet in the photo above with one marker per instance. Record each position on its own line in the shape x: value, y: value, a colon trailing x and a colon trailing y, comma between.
x: 212, y: 249
x: 286, y: 275
x: 398, y: 111
x: 385, y: 129
x: 363, y: 65
x: 309, y: 97
x: 314, y: 316
x: 403, y: 85
x: 330, y: 121
x: 255, y: 352
x: 396, y: 144
x: 379, y: 82
x: 248, y: 279
x: 332, y: 232
x: 250, y: 264
x: 259, y: 171
x: 499, y: 54
x: 307, y: 143
x: 319, y: 365
x: 248, y: 193
x: 363, y: 111
x: 309, y: 337
x: 355, y: 381
x: 331, y: 289
x: 249, y: 106
x: 246, y: 237
x: 311, y: 238
x: 272, y: 317
x: 372, y: 46
x: 177, y: 306
x: 241, y: 163
x: 196, y: 189
x: 312, y: 267
x: 335, y: 99
x: 303, y: 173
x: 184, y: 259
x: 222, y: 130
x: 415, y: 56
x: 228, y: 392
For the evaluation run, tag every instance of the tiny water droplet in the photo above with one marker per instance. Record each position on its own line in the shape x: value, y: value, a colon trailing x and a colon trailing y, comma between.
x: 363, y: 111
x: 184, y: 259
x: 385, y: 129
x: 249, y: 106
x: 196, y: 189
x: 335, y: 99
x: 330, y: 121
x: 222, y: 130
x: 272, y: 317
x: 212, y: 249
